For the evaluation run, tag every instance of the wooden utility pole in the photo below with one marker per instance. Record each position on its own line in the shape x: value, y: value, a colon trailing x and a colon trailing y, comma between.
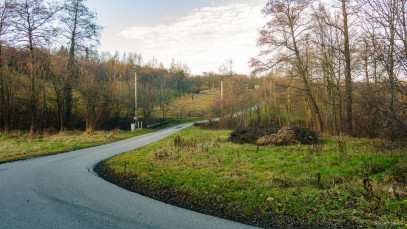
x: 135, y: 101
x: 221, y: 94
x: 221, y: 91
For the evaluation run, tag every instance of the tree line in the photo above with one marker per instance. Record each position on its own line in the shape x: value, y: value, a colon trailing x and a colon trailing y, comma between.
x: 340, y: 66
x: 52, y: 77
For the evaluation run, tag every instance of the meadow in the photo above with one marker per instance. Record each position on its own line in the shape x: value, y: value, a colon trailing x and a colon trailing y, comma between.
x: 190, y: 105
x: 338, y: 182
x: 17, y: 145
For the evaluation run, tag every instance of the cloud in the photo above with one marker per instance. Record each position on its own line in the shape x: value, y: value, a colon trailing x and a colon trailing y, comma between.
x: 171, y: 17
x: 204, y: 38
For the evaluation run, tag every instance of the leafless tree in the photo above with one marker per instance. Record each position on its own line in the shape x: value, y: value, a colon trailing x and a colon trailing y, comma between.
x: 94, y: 98
x: 34, y: 29
x: 82, y: 32
x: 6, y: 19
x: 283, y: 36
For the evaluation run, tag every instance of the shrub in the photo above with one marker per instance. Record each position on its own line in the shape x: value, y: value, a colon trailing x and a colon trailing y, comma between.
x: 304, y: 135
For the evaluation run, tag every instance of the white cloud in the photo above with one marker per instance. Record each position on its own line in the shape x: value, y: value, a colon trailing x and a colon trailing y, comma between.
x: 204, y: 38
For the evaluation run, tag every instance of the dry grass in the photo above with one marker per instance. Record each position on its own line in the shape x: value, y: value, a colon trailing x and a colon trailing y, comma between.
x: 190, y: 106
x: 18, y: 145
x: 335, y: 183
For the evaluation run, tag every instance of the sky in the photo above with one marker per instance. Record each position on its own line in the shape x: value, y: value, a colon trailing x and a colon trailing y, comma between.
x: 203, y: 34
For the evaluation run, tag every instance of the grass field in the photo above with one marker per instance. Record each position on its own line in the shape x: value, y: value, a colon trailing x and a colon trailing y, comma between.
x: 339, y: 182
x: 190, y: 106
x: 17, y: 145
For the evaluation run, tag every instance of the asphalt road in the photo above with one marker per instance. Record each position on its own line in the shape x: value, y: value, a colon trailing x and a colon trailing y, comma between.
x: 62, y: 191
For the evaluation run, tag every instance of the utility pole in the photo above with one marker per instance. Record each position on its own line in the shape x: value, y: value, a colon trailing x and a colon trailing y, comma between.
x: 221, y: 91
x: 135, y: 99
x: 221, y: 95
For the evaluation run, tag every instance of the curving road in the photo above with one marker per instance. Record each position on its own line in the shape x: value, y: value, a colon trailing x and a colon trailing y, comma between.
x: 62, y: 191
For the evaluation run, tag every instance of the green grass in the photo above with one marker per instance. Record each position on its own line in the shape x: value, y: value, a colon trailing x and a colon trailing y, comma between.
x: 345, y: 182
x: 19, y: 145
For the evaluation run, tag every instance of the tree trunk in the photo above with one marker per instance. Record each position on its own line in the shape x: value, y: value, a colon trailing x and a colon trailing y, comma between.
x: 303, y: 75
x: 71, y: 65
x: 348, y: 76
x: 32, y: 99
x: 2, y: 97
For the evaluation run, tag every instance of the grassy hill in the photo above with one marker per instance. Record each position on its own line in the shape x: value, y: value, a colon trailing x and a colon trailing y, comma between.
x: 190, y: 106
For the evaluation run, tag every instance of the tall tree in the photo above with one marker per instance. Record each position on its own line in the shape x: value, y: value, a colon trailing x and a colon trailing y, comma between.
x: 34, y: 28
x: 348, y: 72
x: 91, y: 91
x: 381, y: 18
x: 327, y: 43
x: 282, y: 37
x: 6, y: 11
x: 83, y: 33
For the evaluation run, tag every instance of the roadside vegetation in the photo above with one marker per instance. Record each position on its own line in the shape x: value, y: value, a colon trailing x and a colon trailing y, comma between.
x: 337, y: 75
x: 337, y: 181
x: 17, y: 145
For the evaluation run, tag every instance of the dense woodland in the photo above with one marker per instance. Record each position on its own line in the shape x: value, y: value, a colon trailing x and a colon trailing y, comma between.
x: 338, y: 67
x: 52, y: 78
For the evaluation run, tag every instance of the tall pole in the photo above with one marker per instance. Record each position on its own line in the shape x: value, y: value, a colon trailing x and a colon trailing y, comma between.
x: 221, y: 95
x: 135, y: 98
x: 221, y: 91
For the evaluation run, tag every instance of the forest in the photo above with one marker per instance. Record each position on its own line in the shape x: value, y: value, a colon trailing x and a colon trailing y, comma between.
x: 338, y: 67
x: 53, y: 77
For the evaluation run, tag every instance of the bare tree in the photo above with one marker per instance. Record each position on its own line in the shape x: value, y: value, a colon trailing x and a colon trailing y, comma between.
x: 282, y: 37
x: 384, y: 31
x: 33, y: 29
x: 6, y: 17
x: 348, y: 72
x: 381, y: 18
x: 327, y: 45
x: 401, y: 32
x: 94, y: 99
x: 83, y: 33
x: 58, y: 76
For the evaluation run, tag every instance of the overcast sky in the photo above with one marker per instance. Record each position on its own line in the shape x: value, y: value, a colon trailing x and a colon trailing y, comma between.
x: 201, y: 33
